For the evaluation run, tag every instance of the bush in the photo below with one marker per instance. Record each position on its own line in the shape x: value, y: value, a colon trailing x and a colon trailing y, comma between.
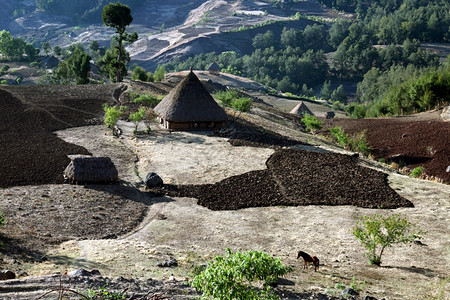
x: 242, y: 104
x: 159, y: 74
x: 377, y: 231
x: 2, y: 218
x: 147, y: 99
x: 226, y: 97
x: 311, y: 123
x: 138, y: 116
x: 112, y: 114
x: 231, y: 276
x: 140, y: 74
x: 340, y: 136
x: 357, y: 142
x: 417, y: 172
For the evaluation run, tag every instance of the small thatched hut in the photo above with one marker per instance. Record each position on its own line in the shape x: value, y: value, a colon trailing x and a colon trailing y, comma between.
x: 214, y: 68
x: 50, y: 62
x: 91, y: 170
x: 301, y: 109
x: 189, y: 106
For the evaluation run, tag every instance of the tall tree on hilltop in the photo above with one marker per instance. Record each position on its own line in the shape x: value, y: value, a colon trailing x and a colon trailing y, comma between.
x: 118, y: 16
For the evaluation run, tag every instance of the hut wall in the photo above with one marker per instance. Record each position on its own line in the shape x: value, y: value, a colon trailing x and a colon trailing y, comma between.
x: 193, y: 125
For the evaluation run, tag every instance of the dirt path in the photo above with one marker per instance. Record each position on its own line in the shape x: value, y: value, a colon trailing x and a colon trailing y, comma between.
x: 179, y: 228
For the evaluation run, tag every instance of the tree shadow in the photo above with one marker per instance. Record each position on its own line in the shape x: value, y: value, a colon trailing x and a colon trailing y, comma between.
x: 422, y: 271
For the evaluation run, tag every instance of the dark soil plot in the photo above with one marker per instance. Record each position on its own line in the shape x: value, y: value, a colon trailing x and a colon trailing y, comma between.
x: 295, y: 178
x: 50, y: 214
x: 408, y: 142
x: 31, y: 153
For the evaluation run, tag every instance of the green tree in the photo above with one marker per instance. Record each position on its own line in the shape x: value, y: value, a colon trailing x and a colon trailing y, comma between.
x: 339, y: 95
x: 262, y: 41
x: 160, y: 73
x: 46, y: 47
x: 140, y: 74
x: 58, y: 50
x: 31, y: 52
x: 118, y: 16
x: 232, y: 276
x: 112, y: 114
x: 76, y: 67
x: 325, y: 92
x: 378, y: 232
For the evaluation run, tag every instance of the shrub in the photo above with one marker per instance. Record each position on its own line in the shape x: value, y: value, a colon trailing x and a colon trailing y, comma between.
x: 231, y: 276
x: 226, y: 97
x: 340, y: 136
x: 377, y: 231
x: 35, y: 64
x: 311, y: 123
x: 112, y: 114
x: 138, y: 116
x: 242, y: 104
x: 139, y: 74
x: 147, y: 99
x: 358, y: 143
x: 2, y: 218
x: 159, y: 74
x: 104, y: 294
x: 417, y: 172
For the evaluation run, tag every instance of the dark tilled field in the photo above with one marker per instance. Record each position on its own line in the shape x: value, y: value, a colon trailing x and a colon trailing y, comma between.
x: 296, y: 178
x: 407, y: 141
x: 30, y: 151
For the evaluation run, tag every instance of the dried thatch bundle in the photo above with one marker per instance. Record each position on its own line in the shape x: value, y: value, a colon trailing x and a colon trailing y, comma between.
x: 91, y: 170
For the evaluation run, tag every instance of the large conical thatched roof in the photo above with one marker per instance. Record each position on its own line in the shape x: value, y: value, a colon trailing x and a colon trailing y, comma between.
x: 301, y: 109
x: 189, y: 101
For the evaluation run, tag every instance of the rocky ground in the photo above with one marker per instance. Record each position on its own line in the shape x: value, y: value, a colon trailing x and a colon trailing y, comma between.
x: 92, y: 226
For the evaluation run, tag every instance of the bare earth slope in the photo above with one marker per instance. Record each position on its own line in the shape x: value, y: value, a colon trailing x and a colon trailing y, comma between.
x: 123, y: 230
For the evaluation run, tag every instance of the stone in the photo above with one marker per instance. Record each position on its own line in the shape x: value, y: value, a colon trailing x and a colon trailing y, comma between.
x: 349, y: 291
x: 83, y: 273
x: 153, y: 180
x: 448, y: 169
x: 7, y: 274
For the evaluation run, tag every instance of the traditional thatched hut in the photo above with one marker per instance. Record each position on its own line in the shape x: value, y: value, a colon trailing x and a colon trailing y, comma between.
x: 50, y: 62
x: 214, y: 68
x: 91, y: 170
x: 189, y: 106
x: 301, y: 109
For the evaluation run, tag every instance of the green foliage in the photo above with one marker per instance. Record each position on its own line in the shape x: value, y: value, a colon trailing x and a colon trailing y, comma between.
x: 340, y: 136
x: 75, y: 68
x: 13, y: 48
x: 226, y: 97
x: 231, y: 276
x: 2, y: 218
x: 160, y: 73
x: 356, y: 142
x: 46, y: 47
x: 3, y: 81
x: 138, y: 116
x: 147, y: 99
x: 140, y: 74
x: 311, y: 123
x: 378, y: 232
x: 112, y: 114
x: 104, y: 294
x: 339, y: 95
x: 232, y: 98
x: 118, y: 16
x: 242, y: 104
x: 417, y: 172
x: 262, y: 41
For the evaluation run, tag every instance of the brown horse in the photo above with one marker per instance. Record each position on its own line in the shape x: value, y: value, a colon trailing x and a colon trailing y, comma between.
x: 308, y: 259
